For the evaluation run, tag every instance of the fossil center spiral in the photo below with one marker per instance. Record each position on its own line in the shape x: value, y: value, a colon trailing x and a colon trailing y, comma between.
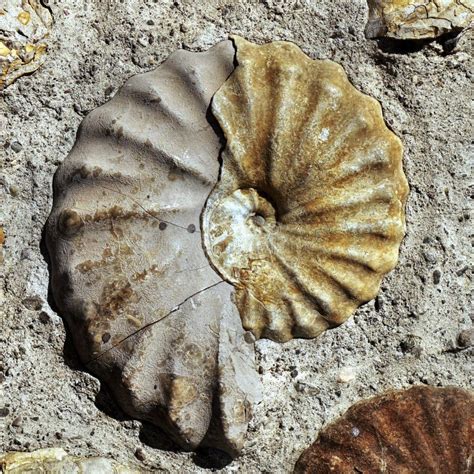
x: 237, y: 232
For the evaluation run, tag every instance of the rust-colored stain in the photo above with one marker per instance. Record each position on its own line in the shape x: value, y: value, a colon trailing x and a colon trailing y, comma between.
x: 308, y: 215
x: 2, y: 236
x: 419, y: 430
x: 417, y: 19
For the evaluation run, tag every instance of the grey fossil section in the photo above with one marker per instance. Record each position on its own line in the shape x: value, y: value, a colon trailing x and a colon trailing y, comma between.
x: 146, y: 311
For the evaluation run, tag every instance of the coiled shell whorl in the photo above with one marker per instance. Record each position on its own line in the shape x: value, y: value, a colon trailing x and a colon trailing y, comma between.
x: 147, y: 312
x: 308, y: 214
x: 419, y: 430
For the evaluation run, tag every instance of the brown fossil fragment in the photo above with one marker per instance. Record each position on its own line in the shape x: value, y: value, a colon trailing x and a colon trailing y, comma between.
x: 422, y: 429
x: 308, y: 214
x: 24, y: 29
x: 147, y: 313
x: 417, y: 19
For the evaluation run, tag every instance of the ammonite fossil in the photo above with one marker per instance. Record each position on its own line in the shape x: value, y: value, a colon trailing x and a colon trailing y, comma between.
x: 150, y: 237
x: 419, y: 430
x: 147, y: 312
x: 417, y: 19
x: 308, y: 213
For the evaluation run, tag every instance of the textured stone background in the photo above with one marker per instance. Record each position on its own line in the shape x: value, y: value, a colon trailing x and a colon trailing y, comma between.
x: 407, y: 336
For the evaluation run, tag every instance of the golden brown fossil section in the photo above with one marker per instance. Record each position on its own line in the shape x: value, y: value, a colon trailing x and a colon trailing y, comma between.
x: 417, y: 19
x: 24, y: 28
x: 147, y: 313
x: 57, y: 461
x: 422, y: 429
x: 308, y: 214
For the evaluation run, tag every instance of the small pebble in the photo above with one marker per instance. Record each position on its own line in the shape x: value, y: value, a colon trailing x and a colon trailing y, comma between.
x: 466, y: 338
x: 44, y: 317
x: 34, y: 303
x: 140, y: 454
x: 355, y: 432
x: 411, y: 345
x: 299, y: 387
x: 16, y: 146
x: 191, y: 228
x: 430, y: 257
x: 17, y: 421
x: 162, y: 226
x: 346, y: 375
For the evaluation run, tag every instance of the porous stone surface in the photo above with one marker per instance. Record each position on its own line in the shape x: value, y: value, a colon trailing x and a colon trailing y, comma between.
x: 408, y: 335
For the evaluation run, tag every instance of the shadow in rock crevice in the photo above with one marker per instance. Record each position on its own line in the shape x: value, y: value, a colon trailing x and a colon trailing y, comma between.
x: 210, y: 458
x: 447, y: 41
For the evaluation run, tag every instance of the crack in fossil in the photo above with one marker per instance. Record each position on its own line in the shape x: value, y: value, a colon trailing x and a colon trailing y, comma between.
x: 135, y: 201
x: 146, y: 326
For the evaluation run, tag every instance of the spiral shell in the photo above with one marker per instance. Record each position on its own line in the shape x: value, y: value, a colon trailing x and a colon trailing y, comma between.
x: 147, y: 312
x: 308, y: 214
x: 422, y: 429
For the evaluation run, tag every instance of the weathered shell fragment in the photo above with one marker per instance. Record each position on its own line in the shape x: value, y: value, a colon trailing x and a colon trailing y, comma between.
x: 24, y: 28
x: 423, y: 429
x: 57, y: 461
x: 147, y: 312
x: 308, y: 214
x: 417, y: 19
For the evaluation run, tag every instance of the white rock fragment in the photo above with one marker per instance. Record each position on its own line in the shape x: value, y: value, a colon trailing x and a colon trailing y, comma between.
x: 24, y: 27
x: 346, y: 375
